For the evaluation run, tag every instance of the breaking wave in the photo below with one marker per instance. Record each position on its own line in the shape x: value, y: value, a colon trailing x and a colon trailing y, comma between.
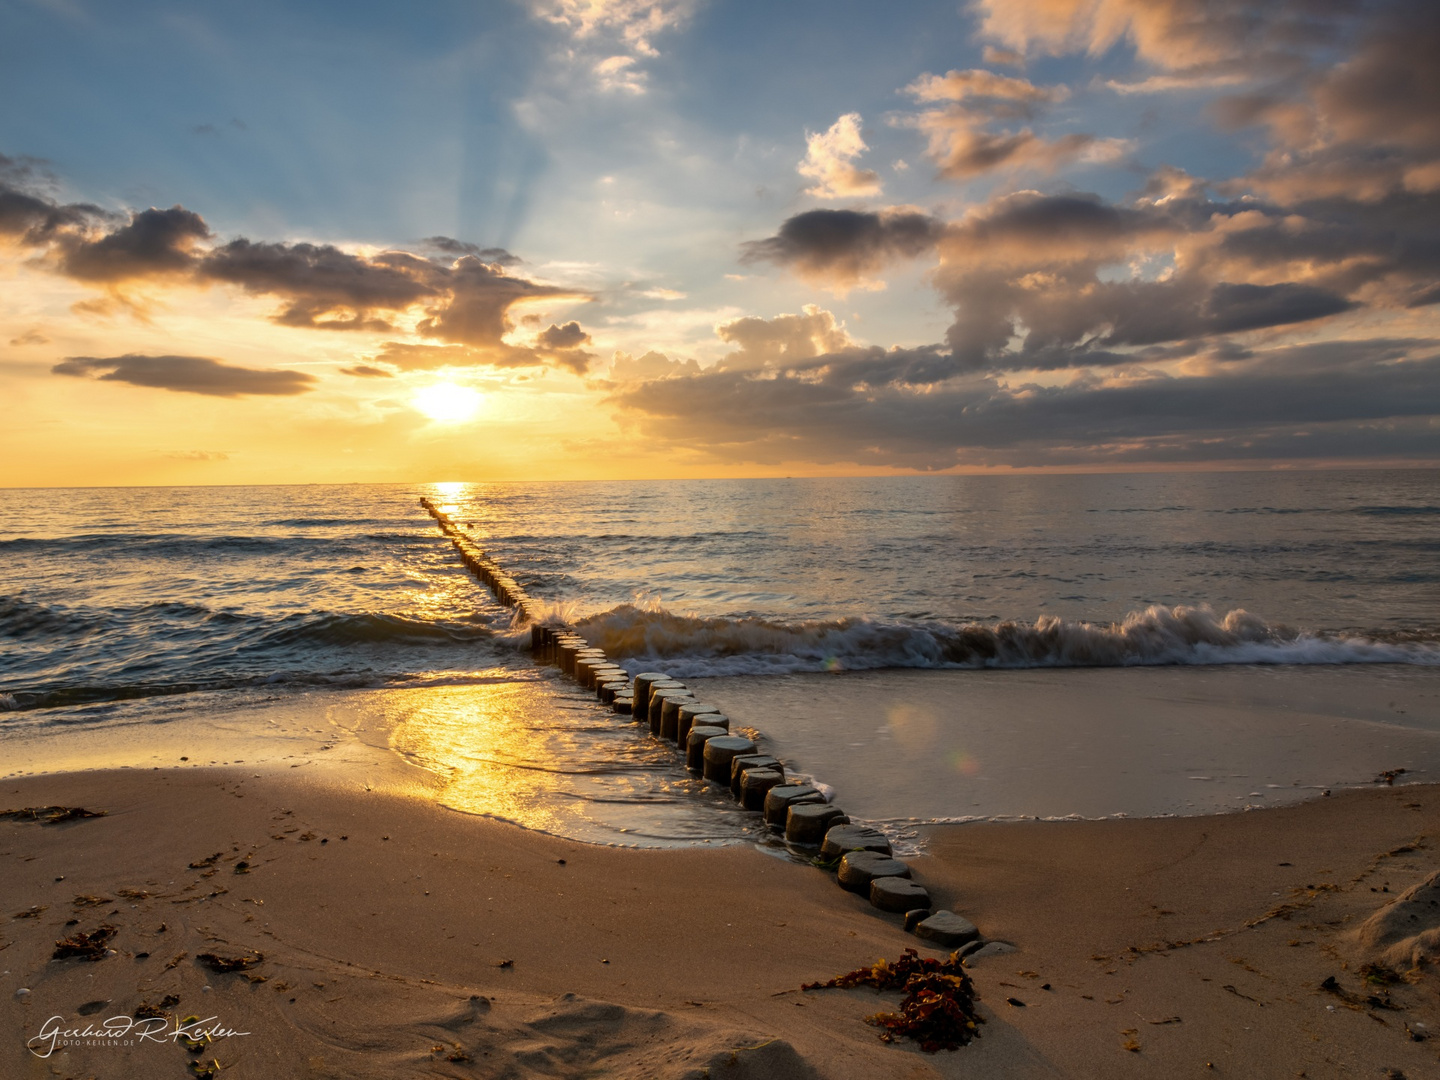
x: 694, y: 647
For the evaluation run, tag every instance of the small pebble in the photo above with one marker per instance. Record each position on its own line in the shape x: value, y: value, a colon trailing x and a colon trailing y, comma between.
x: 23, y: 993
x: 205, y: 989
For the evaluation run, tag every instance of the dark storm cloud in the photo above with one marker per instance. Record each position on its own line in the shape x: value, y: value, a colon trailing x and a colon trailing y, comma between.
x: 187, y: 374
x: 900, y: 408
x: 844, y: 246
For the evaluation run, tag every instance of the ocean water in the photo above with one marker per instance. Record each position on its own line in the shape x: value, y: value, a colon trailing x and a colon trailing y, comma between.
x: 121, y: 607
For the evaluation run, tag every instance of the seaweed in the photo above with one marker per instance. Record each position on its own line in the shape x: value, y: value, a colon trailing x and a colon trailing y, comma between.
x: 1357, y: 1001
x: 229, y: 963
x: 147, y: 1011
x: 85, y: 946
x: 938, y: 1010
x: 51, y: 815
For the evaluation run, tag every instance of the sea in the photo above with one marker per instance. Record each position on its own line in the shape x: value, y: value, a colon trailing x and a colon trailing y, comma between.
x: 928, y: 649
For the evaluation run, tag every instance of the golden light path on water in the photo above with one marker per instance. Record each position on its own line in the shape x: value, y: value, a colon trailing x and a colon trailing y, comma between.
x: 548, y: 757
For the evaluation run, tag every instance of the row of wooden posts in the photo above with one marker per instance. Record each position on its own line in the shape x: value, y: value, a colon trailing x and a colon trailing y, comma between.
x: 861, y: 856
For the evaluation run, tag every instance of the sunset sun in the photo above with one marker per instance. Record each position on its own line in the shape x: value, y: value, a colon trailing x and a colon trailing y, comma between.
x: 447, y: 403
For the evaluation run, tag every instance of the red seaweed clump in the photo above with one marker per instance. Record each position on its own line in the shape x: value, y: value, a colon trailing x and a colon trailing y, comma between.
x: 938, y: 1011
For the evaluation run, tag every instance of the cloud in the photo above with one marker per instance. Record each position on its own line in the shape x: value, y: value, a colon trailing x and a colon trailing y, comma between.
x: 780, y: 341
x: 959, y: 138
x: 413, y: 357
x: 1172, y: 34
x: 1364, y: 128
x: 634, y: 21
x: 322, y: 286
x: 569, y: 336
x: 1003, y: 57
x: 446, y: 245
x: 27, y: 212
x: 153, y: 243
x: 365, y: 371
x: 30, y: 337
x: 187, y: 374
x: 196, y: 455
x: 620, y: 73
x: 1167, y: 84
x: 1342, y: 213
x: 829, y: 158
x: 625, y: 368
x: 464, y: 295
x: 1025, y: 277
x: 842, y: 248
x: 978, y: 84
x: 918, y: 408
x: 476, y: 311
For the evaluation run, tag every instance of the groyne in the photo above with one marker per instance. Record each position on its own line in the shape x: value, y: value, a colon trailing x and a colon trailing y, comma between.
x: 860, y: 857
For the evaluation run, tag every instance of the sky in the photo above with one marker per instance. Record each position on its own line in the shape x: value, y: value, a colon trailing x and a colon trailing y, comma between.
x: 594, y: 239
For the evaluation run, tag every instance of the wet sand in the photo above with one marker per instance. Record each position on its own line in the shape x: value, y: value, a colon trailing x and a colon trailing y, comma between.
x: 1140, y: 741
x: 403, y: 939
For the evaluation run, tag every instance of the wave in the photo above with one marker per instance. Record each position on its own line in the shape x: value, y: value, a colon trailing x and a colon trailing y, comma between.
x: 24, y: 619
x: 693, y: 646
x: 326, y: 628
x: 69, y: 696
x: 186, y: 545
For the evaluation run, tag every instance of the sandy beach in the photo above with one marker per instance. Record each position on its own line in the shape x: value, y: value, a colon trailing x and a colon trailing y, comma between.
x: 400, y: 938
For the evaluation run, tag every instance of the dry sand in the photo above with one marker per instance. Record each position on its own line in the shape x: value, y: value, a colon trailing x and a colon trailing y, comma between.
x: 402, y: 939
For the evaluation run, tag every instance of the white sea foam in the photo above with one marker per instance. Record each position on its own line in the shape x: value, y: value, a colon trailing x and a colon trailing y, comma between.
x: 694, y: 646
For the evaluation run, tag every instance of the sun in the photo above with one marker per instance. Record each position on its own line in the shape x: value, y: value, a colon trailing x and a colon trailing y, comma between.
x: 447, y: 403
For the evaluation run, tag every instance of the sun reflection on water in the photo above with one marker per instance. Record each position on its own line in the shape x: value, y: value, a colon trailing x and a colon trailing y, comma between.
x: 545, y: 757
